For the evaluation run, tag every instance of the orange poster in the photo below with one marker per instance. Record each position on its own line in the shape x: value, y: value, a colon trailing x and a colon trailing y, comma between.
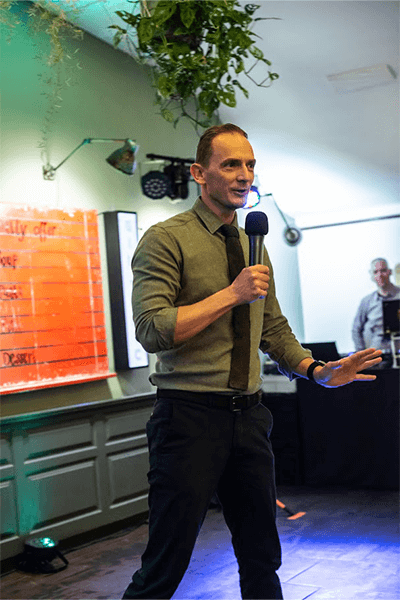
x: 52, y: 328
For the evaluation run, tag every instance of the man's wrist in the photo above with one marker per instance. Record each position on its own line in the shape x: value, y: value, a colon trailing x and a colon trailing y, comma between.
x: 311, y: 368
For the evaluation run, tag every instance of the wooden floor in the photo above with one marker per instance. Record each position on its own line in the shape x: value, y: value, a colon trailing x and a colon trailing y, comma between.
x: 346, y: 547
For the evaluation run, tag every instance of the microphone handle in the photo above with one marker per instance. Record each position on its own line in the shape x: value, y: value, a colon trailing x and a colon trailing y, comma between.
x: 256, y: 243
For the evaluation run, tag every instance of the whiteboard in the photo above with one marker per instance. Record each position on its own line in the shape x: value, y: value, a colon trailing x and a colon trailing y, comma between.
x: 52, y: 326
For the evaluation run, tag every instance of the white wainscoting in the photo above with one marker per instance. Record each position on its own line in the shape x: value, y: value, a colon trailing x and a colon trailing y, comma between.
x: 71, y: 470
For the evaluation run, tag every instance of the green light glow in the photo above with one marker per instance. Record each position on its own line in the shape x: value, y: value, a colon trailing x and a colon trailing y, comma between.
x: 47, y: 542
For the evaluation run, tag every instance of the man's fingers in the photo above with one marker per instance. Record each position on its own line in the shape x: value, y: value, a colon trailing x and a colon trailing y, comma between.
x: 375, y: 361
x: 369, y: 352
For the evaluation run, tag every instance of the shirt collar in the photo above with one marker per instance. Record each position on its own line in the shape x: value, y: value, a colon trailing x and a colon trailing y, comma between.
x: 392, y: 292
x: 210, y: 219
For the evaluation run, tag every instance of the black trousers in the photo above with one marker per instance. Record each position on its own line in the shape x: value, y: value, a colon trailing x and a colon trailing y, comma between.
x: 196, y: 450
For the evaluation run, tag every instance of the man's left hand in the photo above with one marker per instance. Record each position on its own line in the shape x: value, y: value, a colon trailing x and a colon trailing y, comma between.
x: 340, y: 372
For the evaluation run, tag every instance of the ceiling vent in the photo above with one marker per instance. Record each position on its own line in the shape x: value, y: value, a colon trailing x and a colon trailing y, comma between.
x: 358, y: 79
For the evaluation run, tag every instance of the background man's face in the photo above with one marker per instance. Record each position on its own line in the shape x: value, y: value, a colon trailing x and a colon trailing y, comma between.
x: 380, y: 273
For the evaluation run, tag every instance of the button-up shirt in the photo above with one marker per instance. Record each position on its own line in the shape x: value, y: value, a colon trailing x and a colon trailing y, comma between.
x: 182, y: 261
x: 368, y: 323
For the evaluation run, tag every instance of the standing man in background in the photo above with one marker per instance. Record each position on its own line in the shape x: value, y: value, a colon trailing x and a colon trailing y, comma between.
x: 209, y: 431
x: 368, y: 323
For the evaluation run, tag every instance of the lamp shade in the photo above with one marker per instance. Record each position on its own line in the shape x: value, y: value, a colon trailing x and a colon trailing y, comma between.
x: 292, y: 236
x: 123, y: 159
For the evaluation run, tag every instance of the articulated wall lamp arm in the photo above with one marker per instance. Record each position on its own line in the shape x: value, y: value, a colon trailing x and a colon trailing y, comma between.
x: 173, y: 159
x: 291, y: 234
x: 122, y: 159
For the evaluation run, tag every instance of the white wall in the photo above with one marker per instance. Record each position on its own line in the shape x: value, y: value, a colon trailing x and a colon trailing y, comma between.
x: 327, y: 157
x: 334, y: 264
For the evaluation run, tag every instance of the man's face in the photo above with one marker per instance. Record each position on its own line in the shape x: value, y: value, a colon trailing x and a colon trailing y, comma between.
x: 380, y: 273
x: 226, y: 181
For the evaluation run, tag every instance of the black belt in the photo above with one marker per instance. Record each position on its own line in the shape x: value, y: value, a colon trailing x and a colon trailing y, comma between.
x: 234, y: 402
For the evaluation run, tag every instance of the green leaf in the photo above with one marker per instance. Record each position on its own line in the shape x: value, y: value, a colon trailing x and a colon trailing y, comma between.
x: 251, y: 8
x: 227, y: 96
x: 245, y: 92
x: 117, y: 27
x: 180, y: 48
x: 163, y: 11
x: 256, y: 52
x: 119, y: 34
x: 208, y: 102
x: 164, y: 86
x: 266, y: 61
x: 240, y: 66
x: 145, y: 30
x: 187, y: 14
x: 167, y: 115
x: 117, y: 39
x: 128, y: 17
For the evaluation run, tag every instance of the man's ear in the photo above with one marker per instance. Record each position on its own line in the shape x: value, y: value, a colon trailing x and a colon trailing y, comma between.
x: 196, y: 171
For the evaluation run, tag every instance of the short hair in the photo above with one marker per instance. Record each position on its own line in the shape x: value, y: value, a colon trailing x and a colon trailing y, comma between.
x: 204, y: 148
x: 373, y: 263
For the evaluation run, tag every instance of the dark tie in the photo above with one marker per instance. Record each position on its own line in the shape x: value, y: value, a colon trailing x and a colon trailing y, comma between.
x: 240, y: 361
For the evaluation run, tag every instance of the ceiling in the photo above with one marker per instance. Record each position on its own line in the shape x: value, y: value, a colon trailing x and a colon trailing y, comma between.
x: 315, y: 146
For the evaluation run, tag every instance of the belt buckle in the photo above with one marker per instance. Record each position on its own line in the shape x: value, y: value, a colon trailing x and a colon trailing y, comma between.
x: 232, y: 403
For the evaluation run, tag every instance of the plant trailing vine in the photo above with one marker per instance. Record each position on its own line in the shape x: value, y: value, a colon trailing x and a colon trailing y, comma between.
x: 197, y: 50
x: 58, y: 63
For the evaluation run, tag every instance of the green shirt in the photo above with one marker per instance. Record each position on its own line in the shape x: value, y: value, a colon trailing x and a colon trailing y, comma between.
x: 179, y: 262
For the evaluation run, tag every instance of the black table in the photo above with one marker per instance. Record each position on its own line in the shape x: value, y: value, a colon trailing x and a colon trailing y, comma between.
x: 350, y: 435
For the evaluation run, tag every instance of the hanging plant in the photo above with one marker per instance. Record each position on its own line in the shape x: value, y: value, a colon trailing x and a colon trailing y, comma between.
x: 59, y: 65
x: 197, y: 50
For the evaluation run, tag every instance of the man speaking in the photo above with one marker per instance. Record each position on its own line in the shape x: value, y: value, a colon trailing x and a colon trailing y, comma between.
x: 199, y: 305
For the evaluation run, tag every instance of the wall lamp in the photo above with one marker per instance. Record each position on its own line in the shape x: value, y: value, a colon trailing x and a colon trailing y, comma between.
x: 122, y: 159
x: 172, y: 181
x: 291, y: 234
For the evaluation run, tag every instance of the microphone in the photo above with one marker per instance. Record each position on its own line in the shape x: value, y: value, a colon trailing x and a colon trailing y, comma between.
x: 256, y: 228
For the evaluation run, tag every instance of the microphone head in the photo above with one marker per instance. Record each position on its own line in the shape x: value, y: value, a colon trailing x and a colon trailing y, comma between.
x: 256, y: 223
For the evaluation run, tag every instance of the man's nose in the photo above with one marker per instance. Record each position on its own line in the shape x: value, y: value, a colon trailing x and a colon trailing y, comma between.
x: 245, y: 174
